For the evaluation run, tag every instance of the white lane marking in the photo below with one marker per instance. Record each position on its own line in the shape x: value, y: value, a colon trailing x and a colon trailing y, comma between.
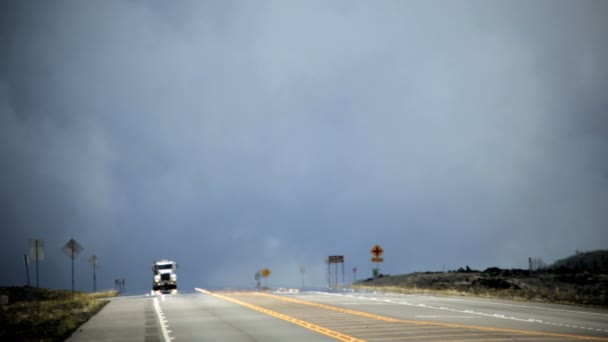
x: 495, y: 315
x: 159, y: 313
x: 503, y: 304
x: 453, y: 316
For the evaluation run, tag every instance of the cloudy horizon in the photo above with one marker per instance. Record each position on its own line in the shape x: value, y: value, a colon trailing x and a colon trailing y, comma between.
x: 232, y: 136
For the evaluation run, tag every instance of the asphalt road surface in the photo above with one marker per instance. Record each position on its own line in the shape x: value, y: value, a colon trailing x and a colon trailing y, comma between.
x: 320, y: 316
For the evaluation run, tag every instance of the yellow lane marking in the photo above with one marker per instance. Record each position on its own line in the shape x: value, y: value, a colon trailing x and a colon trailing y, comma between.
x: 349, y: 319
x: 410, y: 329
x: 333, y: 320
x: 439, y: 324
x: 427, y: 330
x: 343, y: 325
x: 372, y: 334
x: 334, y: 308
x: 417, y: 337
x: 388, y: 327
x: 511, y: 339
x: 316, y: 328
x: 337, y: 315
x: 365, y: 326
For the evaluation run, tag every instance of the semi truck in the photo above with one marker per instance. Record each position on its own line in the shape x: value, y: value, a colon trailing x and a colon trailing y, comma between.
x: 165, y: 278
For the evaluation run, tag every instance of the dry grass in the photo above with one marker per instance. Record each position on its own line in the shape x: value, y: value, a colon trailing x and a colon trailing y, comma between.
x: 46, y: 315
x: 588, y: 290
x: 409, y: 290
x: 102, y: 294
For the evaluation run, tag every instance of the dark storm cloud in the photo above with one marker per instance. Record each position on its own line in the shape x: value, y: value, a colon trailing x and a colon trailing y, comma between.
x: 234, y: 135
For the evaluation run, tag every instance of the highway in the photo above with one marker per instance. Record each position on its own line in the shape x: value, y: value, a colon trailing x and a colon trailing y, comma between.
x: 344, y: 316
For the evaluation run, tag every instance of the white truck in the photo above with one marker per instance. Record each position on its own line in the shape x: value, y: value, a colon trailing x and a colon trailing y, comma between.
x: 165, y: 278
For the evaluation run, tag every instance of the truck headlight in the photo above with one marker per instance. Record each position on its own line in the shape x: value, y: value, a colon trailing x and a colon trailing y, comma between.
x: 157, y: 278
x: 174, y: 277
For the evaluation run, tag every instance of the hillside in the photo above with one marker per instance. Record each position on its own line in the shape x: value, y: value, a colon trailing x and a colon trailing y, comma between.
x: 593, y: 262
x: 579, y: 279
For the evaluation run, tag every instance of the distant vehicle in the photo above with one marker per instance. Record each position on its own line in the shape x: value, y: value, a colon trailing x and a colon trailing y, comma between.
x: 165, y: 278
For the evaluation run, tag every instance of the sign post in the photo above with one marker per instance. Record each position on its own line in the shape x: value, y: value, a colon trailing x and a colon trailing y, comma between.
x: 302, y: 271
x: 72, y: 249
x: 37, y: 253
x: 328, y: 273
x: 335, y: 259
x: 119, y: 285
x: 27, y: 269
x: 265, y: 274
x: 93, y: 260
x: 257, y: 279
x: 377, y: 253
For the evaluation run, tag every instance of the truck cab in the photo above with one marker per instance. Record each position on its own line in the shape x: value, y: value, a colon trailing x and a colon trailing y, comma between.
x: 165, y: 277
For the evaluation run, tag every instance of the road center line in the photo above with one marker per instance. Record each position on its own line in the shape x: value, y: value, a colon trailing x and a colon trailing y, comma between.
x: 310, y: 326
x: 451, y: 325
x: 443, y: 316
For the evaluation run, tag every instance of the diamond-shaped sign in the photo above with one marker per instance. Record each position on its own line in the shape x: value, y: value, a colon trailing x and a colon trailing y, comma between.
x: 72, y: 248
x: 377, y: 251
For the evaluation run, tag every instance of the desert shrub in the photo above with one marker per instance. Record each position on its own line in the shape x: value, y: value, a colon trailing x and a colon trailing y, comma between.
x: 493, y: 283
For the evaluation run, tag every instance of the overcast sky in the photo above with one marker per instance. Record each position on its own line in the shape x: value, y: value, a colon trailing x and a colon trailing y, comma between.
x: 236, y: 135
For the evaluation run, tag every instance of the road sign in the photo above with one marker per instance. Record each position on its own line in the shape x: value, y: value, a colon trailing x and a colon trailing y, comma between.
x: 72, y: 248
x: 265, y: 273
x: 377, y: 251
x: 93, y: 260
x: 36, y: 249
x: 336, y: 259
x: 36, y: 253
x: 377, y: 259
